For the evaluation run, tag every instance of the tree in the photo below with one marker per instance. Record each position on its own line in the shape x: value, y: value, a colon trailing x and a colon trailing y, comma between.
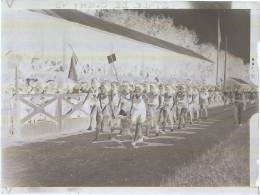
x: 164, y: 28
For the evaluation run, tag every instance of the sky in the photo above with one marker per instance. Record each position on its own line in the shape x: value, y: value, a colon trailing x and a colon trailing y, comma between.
x: 235, y: 24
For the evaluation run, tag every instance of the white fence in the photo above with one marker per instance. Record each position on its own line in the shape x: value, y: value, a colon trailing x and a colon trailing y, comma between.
x: 39, y: 114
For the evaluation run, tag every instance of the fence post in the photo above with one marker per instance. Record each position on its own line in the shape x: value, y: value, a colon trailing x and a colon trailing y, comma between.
x: 17, y: 103
x: 17, y: 116
x: 59, y: 112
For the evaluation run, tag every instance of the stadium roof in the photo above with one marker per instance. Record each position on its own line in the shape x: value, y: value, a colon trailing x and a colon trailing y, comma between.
x: 231, y: 81
x: 94, y: 22
x: 239, y: 80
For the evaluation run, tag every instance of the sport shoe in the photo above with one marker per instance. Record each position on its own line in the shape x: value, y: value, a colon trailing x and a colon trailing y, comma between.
x: 90, y: 128
x: 133, y: 143
x: 96, y: 141
x: 162, y: 132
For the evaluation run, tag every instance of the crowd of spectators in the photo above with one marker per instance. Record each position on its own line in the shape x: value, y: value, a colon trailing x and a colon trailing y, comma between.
x: 49, y: 65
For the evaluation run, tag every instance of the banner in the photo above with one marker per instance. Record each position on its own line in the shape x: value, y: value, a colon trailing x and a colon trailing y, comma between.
x: 111, y: 58
x: 72, y: 71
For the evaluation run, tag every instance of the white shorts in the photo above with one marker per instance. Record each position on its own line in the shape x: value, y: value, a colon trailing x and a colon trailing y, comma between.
x: 204, y: 106
x: 196, y: 106
x: 190, y: 107
x: 138, y: 116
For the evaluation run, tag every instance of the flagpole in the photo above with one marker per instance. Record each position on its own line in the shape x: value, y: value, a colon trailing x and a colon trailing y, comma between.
x: 115, y: 70
x: 16, y: 84
x: 73, y: 52
x: 143, y: 64
x: 218, y: 49
x: 225, y: 69
x: 17, y: 129
x: 72, y: 69
x: 217, y: 67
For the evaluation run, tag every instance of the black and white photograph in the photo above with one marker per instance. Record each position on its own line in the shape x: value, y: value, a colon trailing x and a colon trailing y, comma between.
x: 127, y: 97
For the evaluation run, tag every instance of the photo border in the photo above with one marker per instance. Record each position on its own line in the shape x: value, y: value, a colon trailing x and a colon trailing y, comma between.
x: 121, y: 4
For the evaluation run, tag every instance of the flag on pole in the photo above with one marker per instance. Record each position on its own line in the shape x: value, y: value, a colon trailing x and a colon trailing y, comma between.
x: 111, y: 58
x: 72, y: 71
x: 219, y: 33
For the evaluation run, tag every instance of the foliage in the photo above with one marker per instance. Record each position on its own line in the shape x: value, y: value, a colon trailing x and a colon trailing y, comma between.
x: 164, y: 28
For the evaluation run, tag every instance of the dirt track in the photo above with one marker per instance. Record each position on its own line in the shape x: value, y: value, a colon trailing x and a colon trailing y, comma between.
x: 75, y: 161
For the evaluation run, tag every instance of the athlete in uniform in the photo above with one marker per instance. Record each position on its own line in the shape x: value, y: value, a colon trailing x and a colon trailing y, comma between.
x: 239, y: 104
x: 167, y: 106
x: 146, y: 92
x: 196, y: 102
x: 153, y: 102
x: 124, y: 107
x: 204, y: 101
x: 104, y: 110
x: 115, y: 103
x: 182, y: 105
x: 190, y: 103
x: 138, y: 113
x: 93, y: 100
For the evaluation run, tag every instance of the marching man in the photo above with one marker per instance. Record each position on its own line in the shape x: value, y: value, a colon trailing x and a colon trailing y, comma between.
x: 168, y: 107
x: 153, y: 104
x: 104, y: 110
x: 204, y: 101
x: 190, y: 102
x: 239, y: 104
x: 124, y: 107
x: 115, y: 103
x: 138, y: 113
x: 196, y: 102
x: 92, y: 99
x: 182, y: 105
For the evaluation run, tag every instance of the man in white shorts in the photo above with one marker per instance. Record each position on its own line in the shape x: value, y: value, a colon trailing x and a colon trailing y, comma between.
x: 182, y: 105
x: 204, y: 101
x: 138, y: 113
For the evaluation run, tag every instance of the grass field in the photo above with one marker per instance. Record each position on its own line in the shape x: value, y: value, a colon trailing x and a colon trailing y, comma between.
x: 226, y: 164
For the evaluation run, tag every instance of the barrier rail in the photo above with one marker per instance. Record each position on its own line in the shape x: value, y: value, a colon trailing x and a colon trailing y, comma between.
x: 35, y: 104
x: 64, y: 106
